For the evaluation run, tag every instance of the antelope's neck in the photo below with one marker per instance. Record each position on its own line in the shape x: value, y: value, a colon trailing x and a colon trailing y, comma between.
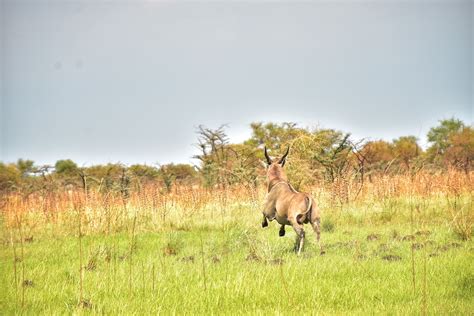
x: 275, y: 181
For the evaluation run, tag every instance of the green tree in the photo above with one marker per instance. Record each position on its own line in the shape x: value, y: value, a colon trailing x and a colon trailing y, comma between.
x: 144, y: 172
x: 10, y: 176
x: 26, y: 167
x: 66, y: 168
x: 275, y: 136
x: 108, y: 177
x: 334, y: 152
x: 439, y: 136
x: 177, y: 173
x: 406, y: 149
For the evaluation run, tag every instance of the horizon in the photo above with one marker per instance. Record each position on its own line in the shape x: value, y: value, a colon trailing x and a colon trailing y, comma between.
x: 79, y: 84
x: 423, y: 145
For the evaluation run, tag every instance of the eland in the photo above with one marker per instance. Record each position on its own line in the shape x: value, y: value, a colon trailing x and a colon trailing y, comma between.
x: 288, y: 206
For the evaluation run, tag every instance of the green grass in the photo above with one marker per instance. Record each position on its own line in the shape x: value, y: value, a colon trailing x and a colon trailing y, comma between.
x: 234, y: 267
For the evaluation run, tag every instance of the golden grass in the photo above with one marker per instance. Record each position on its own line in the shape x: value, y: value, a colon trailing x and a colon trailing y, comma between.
x: 109, y: 212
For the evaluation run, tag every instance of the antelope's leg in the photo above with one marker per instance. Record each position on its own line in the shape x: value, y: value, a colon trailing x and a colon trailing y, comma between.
x: 299, y: 236
x: 264, y: 222
x: 281, y: 233
x: 317, y: 229
x: 269, y: 210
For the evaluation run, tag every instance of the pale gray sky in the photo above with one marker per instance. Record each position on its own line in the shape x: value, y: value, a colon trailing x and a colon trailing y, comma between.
x: 129, y: 81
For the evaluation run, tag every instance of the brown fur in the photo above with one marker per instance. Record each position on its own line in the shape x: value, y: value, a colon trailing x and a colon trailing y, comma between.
x: 288, y: 206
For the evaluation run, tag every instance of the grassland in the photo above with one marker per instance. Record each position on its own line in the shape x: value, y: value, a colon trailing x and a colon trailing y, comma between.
x: 192, y: 254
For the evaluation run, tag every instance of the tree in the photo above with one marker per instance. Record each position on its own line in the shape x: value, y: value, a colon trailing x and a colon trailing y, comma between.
x: 10, y: 176
x: 67, y: 168
x: 144, y: 172
x: 460, y: 151
x: 26, y: 167
x: 406, y: 149
x: 108, y: 176
x: 334, y: 152
x: 440, y: 135
x: 274, y: 135
x: 377, y: 152
x: 181, y: 173
x: 214, y: 154
x: 242, y: 164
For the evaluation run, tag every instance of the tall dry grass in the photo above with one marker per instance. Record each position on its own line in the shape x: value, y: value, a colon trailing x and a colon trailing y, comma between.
x: 183, y: 205
x: 80, y: 212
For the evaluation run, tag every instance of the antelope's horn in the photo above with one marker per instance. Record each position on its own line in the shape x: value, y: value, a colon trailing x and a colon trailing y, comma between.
x: 269, y: 160
x: 284, y: 156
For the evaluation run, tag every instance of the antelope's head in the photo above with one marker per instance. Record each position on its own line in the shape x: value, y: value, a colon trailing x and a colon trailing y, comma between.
x: 275, y: 166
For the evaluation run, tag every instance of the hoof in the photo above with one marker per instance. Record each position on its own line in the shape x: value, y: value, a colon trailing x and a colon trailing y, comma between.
x: 281, y: 233
x: 322, y: 253
x: 264, y: 224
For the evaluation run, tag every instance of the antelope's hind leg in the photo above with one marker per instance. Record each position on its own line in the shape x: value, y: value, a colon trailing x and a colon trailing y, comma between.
x: 281, y: 233
x: 317, y: 229
x: 299, y: 237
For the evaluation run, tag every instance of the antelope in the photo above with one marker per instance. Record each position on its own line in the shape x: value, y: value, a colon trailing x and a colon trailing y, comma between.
x: 288, y: 206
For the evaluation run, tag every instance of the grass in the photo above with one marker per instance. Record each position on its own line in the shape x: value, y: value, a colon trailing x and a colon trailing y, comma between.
x: 230, y: 265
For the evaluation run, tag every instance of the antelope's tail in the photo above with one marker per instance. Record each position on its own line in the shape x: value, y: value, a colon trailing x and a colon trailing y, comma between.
x: 301, y: 218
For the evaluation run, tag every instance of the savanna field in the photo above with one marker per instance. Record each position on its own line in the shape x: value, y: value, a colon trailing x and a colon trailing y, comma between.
x: 400, y: 244
x: 212, y: 157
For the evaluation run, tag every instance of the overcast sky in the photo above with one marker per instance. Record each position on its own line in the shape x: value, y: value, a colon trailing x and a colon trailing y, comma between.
x: 130, y: 81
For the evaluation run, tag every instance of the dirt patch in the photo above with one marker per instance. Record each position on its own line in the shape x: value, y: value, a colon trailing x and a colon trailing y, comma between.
x: 253, y: 257
x: 372, y: 237
x: 28, y: 283
x: 450, y: 246
x: 91, y: 265
x: 408, y: 238
x: 85, y: 304
x: 383, y: 247
x: 169, y: 251
x: 188, y: 259
x: 423, y: 233
x: 417, y: 246
x: 381, y: 250
x: 392, y: 258
x: 123, y: 257
x: 277, y: 261
x: 340, y: 244
x: 215, y: 259
x: 108, y: 256
x: 29, y: 239
x: 434, y: 254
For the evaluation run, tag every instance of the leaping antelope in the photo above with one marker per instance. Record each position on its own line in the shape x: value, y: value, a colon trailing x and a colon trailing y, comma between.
x: 288, y: 206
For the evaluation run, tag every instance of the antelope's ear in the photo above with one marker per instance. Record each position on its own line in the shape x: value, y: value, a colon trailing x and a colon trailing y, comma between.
x: 283, y: 159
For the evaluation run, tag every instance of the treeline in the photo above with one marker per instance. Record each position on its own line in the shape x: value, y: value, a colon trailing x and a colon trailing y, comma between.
x: 317, y: 155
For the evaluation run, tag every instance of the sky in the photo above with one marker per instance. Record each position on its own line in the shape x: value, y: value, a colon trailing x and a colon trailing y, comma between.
x: 130, y: 81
